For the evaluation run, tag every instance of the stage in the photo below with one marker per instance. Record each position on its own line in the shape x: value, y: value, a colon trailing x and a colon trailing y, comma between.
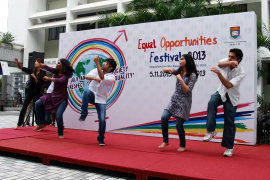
x: 139, y: 155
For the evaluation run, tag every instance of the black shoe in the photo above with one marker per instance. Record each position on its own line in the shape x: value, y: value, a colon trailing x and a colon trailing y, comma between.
x: 82, y: 118
x: 101, y: 142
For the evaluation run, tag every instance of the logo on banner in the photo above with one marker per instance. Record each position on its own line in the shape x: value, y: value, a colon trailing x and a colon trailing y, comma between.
x: 235, y: 38
x: 81, y: 59
x: 235, y: 32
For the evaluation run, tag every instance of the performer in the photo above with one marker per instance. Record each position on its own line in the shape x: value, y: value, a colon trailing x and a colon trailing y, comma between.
x: 180, y: 104
x: 56, y: 101
x: 50, y: 90
x: 228, y: 93
x: 34, y: 90
x: 101, y: 79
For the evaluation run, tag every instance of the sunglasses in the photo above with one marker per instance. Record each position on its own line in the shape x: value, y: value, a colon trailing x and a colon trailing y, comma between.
x: 106, y: 63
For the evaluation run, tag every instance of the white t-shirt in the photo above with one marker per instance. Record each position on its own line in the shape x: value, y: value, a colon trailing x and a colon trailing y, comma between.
x: 101, y: 89
x: 235, y: 76
x: 50, y: 88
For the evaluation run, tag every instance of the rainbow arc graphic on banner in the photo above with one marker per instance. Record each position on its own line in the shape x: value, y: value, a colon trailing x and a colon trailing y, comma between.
x: 80, y: 58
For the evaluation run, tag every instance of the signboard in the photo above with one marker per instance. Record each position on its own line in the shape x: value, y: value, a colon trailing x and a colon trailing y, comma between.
x: 4, y: 68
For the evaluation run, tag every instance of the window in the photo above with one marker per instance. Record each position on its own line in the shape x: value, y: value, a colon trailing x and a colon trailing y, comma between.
x: 87, y: 26
x: 55, y: 32
x: 101, y: 24
x: 82, y: 27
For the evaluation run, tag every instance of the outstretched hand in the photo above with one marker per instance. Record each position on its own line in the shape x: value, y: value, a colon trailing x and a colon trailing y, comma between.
x: 39, y: 60
x: 234, y: 64
x: 214, y: 69
x: 178, y: 76
x: 96, y: 59
x: 170, y: 70
x: 43, y: 66
x: 97, y: 79
x: 35, y: 78
x: 18, y: 64
x: 45, y: 78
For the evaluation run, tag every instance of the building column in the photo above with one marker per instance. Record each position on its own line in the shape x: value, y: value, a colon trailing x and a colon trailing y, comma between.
x: 34, y: 40
x: 265, y: 14
x: 120, y: 7
x: 71, y: 16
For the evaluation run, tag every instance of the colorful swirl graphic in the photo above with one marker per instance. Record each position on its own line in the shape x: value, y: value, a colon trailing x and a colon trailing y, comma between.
x: 109, y: 50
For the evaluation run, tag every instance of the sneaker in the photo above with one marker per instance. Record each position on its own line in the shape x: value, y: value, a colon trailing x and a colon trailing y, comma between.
x: 101, y: 142
x: 228, y: 152
x: 82, y: 118
x: 209, y: 136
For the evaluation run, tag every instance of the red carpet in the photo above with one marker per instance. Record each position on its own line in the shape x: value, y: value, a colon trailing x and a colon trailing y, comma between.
x: 139, y: 154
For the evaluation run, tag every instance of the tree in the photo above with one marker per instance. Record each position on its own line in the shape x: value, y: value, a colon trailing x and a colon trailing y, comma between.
x: 7, y: 38
x: 141, y: 11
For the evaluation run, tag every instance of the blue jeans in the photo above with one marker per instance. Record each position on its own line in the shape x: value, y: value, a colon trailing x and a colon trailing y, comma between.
x: 229, y: 114
x: 89, y: 97
x: 179, y: 126
x: 43, y: 117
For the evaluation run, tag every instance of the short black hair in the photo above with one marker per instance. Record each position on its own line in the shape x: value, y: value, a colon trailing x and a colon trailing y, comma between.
x: 112, y: 63
x: 238, y: 53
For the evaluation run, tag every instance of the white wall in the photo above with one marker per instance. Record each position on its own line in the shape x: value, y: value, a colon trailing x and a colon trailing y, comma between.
x: 17, y: 14
x: 51, y: 47
x: 35, y: 40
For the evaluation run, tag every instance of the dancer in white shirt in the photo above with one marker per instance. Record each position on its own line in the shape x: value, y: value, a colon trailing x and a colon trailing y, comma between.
x: 101, y: 80
x: 228, y: 93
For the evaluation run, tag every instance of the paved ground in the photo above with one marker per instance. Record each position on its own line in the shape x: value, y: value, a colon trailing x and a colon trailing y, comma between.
x: 13, y: 166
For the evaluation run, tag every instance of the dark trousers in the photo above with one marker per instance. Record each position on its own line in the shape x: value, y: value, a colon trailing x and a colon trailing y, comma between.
x: 229, y: 115
x: 179, y: 126
x: 29, y: 97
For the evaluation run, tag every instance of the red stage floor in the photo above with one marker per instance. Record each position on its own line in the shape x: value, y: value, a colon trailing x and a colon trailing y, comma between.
x: 139, y: 154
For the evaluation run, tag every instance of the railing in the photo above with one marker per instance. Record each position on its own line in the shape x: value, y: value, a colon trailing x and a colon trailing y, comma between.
x: 15, y: 103
x: 11, y: 101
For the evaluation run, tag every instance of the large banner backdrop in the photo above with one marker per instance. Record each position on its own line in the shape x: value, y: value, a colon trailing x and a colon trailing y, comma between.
x: 141, y: 91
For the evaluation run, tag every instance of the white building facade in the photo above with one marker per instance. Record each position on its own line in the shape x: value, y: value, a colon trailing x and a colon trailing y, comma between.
x: 38, y: 23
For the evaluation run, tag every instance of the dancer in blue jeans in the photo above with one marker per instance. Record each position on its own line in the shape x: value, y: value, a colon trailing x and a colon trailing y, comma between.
x: 55, y: 102
x: 101, y: 79
x: 231, y: 75
x: 181, y: 100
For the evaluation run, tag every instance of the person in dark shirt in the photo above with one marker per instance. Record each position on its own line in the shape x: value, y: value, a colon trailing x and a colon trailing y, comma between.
x: 34, y: 90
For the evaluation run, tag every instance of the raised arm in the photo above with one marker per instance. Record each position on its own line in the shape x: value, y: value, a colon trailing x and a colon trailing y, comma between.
x: 27, y: 70
x: 92, y: 76
x: 187, y: 87
x: 57, y: 80
x: 167, y: 70
x: 223, y: 80
x: 100, y: 72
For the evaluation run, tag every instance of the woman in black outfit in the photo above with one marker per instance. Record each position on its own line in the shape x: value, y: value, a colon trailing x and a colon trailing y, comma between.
x: 34, y: 91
